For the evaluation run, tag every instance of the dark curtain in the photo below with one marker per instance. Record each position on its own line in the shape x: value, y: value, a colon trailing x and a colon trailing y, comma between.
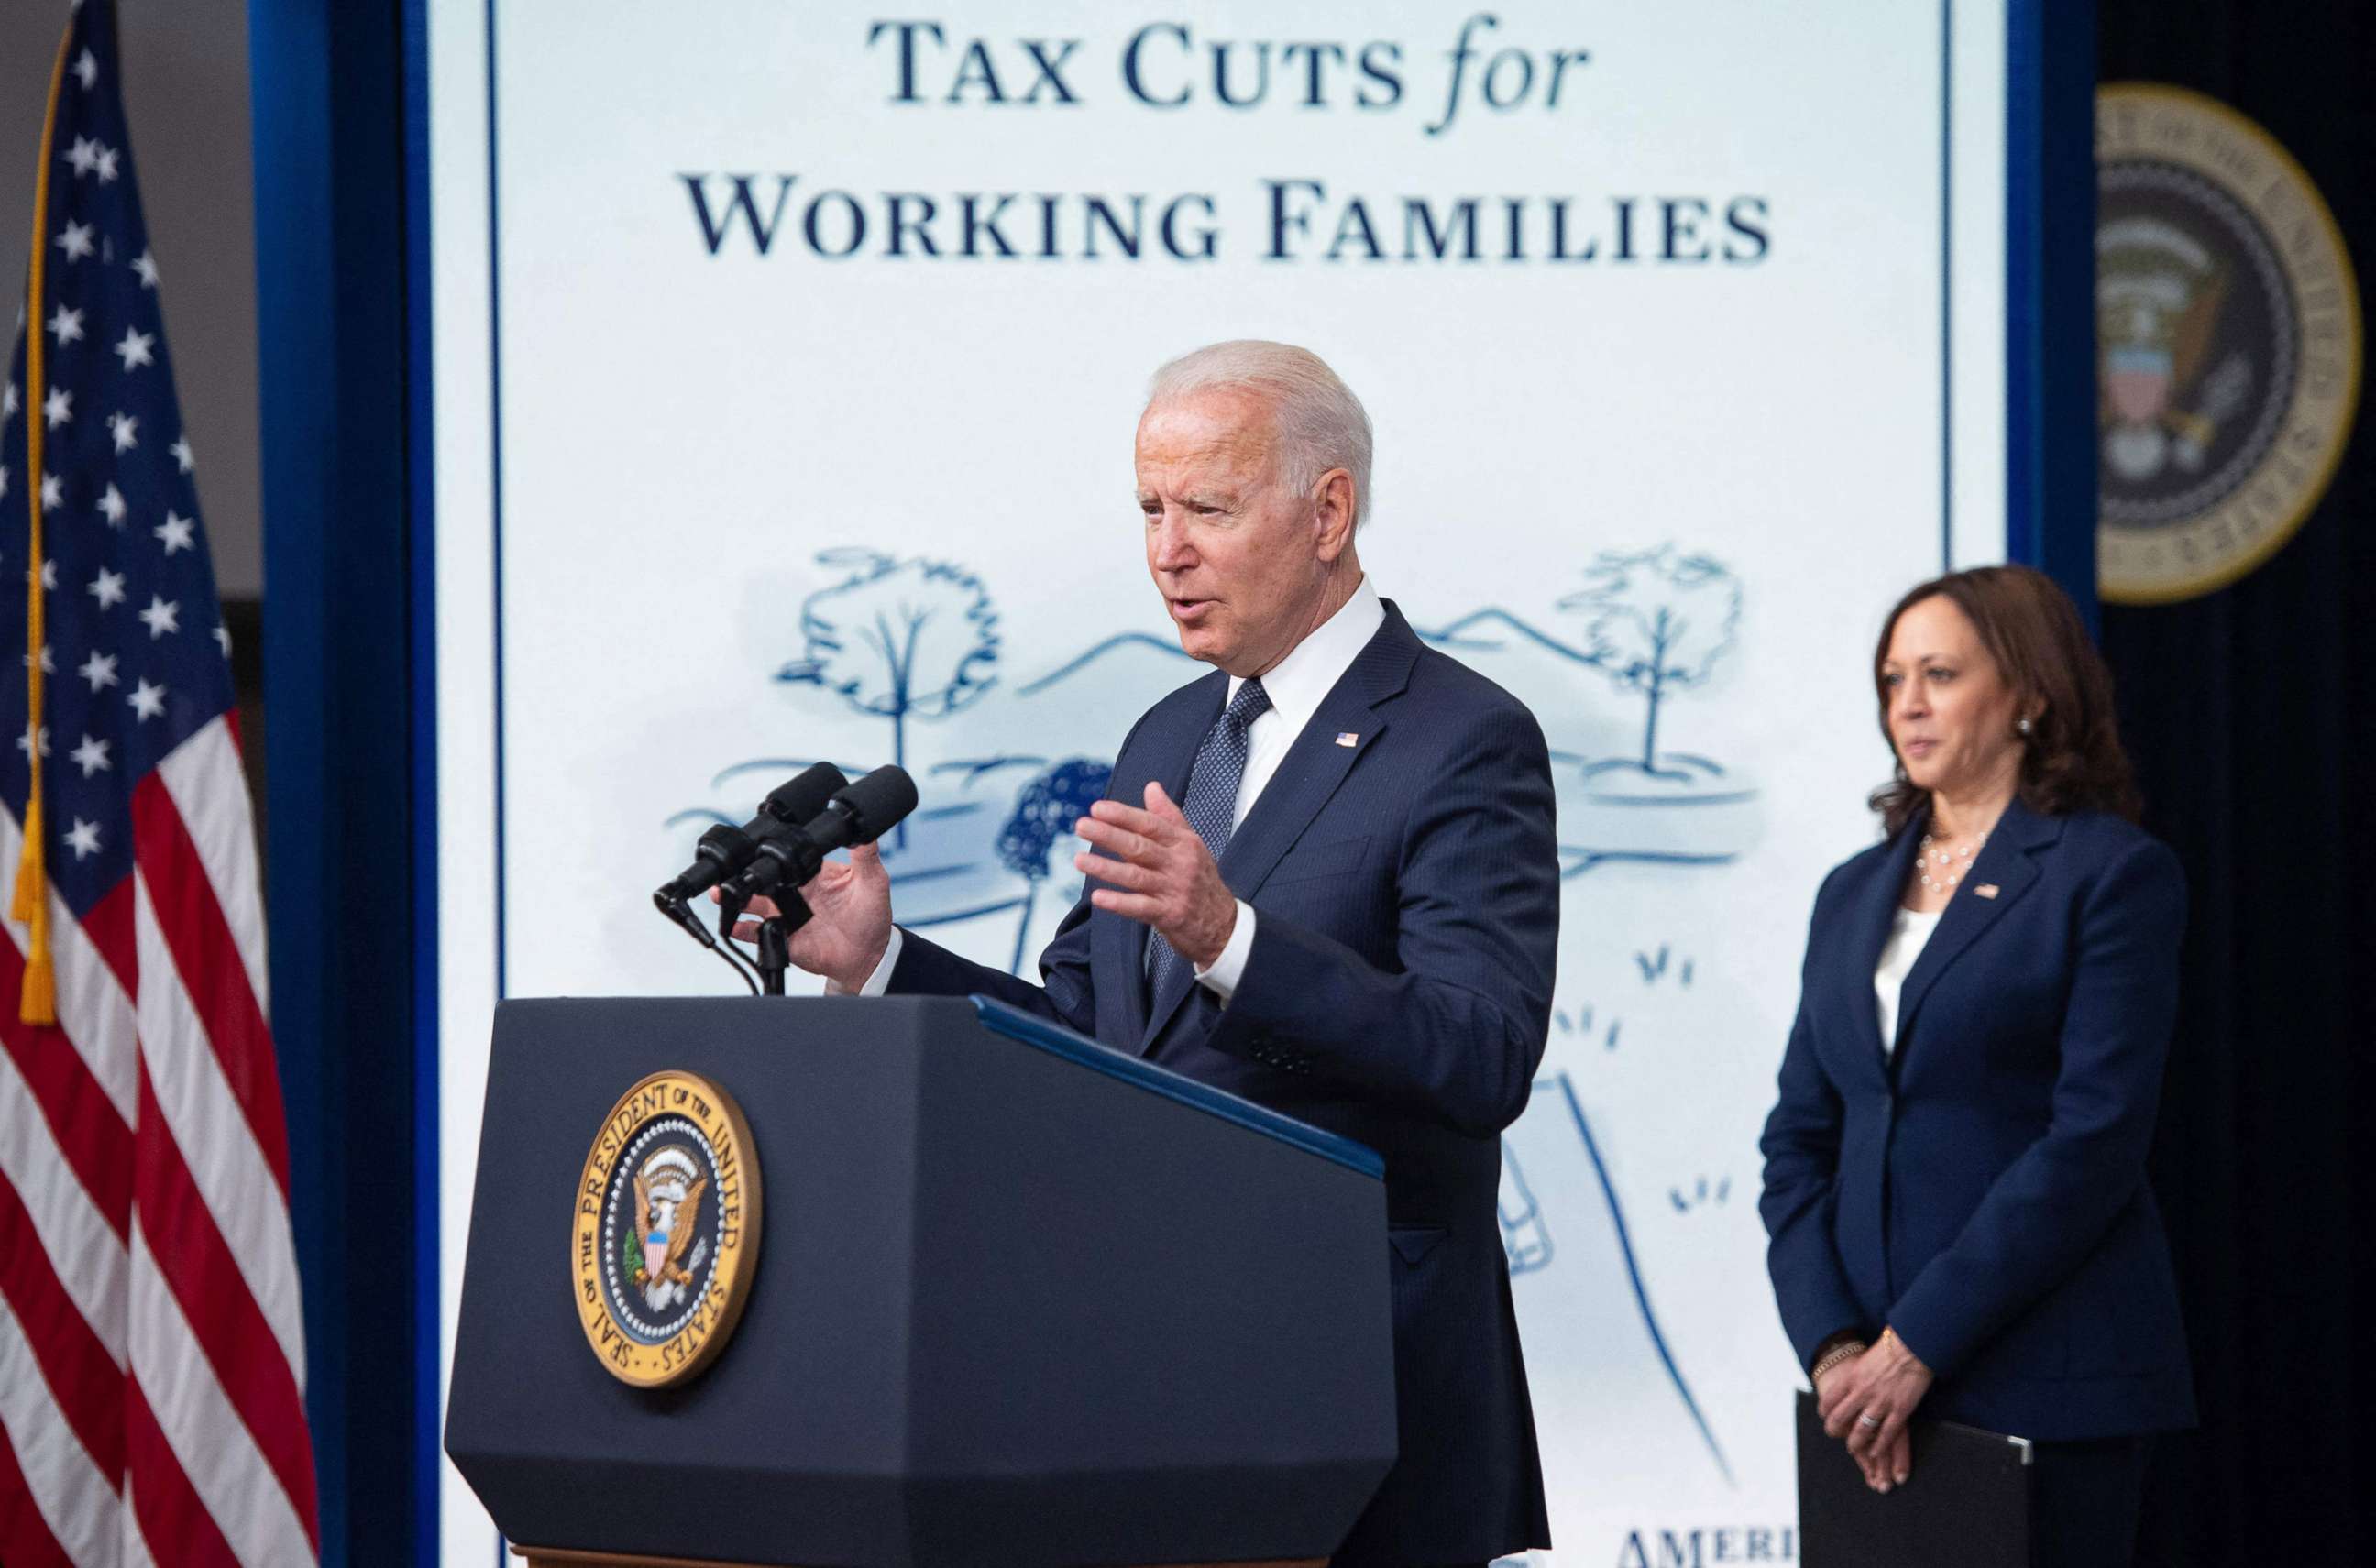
x: 2251, y: 716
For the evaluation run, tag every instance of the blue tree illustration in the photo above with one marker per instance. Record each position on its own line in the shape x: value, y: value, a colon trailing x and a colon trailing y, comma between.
x: 899, y: 639
x: 1045, y: 809
x: 1657, y: 621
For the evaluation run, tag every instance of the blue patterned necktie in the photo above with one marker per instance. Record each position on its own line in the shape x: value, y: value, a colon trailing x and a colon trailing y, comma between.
x: 1212, y: 802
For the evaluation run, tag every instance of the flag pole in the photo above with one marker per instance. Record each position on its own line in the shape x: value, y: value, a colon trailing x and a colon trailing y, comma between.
x: 37, y: 1003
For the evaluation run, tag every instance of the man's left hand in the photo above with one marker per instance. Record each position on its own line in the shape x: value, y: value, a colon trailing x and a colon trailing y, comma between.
x: 1161, y: 873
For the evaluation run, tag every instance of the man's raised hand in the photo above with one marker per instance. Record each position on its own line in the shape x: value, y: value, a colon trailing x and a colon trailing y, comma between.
x: 1159, y: 873
x: 850, y: 919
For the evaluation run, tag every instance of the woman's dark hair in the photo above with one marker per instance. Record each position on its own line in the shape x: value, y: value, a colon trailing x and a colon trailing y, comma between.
x: 2072, y: 759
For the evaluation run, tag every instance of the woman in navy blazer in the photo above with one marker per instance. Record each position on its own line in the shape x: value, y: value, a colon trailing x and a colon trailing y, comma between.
x: 1955, y: 1170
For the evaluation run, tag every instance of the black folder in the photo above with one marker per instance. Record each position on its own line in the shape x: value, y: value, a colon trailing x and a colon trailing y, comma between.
x: 1965, y: 1503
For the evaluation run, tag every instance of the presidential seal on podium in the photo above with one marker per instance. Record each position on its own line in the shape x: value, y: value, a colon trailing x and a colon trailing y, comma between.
x: 665, y: 1235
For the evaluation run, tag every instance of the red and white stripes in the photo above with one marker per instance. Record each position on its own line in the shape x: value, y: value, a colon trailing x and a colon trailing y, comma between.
x: 151, y: 1341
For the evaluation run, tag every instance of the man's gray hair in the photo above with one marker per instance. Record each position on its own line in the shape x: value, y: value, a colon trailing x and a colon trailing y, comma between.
x: 1322, y: 425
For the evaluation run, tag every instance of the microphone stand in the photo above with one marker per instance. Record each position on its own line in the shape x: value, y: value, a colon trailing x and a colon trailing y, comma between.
x: 775, y: 955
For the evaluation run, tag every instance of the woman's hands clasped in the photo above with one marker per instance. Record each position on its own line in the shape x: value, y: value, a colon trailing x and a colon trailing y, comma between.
x: 1868, y: 1400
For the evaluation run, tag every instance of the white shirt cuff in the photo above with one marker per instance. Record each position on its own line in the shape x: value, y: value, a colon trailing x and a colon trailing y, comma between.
x: 1222, y: 979
x: 880, y: 980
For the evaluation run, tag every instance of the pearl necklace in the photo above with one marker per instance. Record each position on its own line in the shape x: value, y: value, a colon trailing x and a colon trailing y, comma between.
x: 1945, y: 857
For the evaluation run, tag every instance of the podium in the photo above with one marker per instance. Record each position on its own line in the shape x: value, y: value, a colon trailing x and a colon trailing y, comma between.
x: 1015, y: 1299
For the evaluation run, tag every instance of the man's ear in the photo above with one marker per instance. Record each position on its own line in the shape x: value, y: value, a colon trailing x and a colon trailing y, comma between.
x: 1333, y: 514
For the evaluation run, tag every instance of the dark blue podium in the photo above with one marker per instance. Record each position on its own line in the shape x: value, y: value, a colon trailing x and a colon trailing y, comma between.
x: 1018, y: 1300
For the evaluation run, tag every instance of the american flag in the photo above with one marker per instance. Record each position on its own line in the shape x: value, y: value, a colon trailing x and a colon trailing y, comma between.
x: 152, y: 1356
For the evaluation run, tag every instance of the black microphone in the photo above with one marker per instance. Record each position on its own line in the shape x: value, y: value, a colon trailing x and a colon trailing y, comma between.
x: 807, y: 793
x: 724, y: 851
x: 860, y: 813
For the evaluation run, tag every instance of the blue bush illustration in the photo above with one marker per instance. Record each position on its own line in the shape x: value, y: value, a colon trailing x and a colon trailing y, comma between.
x: 1658, y: 622
x: 1045, y: 809
x: 900, y: 639
x: 1526, y: 1241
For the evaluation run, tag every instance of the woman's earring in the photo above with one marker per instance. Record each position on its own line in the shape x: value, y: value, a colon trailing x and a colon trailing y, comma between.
x: 2023, y: 725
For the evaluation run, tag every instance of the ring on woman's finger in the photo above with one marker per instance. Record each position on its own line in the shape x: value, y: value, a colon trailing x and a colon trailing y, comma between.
x: 1868, y: 1419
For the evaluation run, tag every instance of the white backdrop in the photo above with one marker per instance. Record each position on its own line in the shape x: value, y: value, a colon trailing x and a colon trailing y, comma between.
x: 676, y: 466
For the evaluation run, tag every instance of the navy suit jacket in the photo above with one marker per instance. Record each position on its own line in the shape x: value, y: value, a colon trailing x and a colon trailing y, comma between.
x: 1982, y: 1189
x: 1405, y: 890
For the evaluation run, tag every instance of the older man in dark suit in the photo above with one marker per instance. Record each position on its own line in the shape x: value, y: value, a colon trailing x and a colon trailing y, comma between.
x: 1324, y: 878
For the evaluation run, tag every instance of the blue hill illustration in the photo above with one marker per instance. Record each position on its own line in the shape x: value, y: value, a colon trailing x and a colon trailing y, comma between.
x: 1120, y: 642
x: 1490, y: 631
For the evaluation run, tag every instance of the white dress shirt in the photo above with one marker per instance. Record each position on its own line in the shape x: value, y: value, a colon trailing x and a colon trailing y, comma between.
x: 1295, y: 685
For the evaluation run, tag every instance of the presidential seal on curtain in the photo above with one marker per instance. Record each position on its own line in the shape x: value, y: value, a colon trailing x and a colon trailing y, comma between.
x: 2229, y: 344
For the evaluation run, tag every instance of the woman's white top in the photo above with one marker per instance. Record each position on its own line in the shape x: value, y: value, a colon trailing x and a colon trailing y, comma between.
x: 1908, y: 934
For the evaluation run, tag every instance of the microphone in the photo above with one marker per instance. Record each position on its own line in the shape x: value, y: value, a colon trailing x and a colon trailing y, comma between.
x: 857, y: 813
x: 807, y: 793
x: 724, y: 851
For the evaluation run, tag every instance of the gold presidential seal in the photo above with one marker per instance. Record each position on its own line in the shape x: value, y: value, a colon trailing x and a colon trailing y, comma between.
x: 2227, y: 344
x: 664, y: 1242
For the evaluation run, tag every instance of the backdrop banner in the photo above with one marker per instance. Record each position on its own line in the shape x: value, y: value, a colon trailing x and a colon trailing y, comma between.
x: 788, y: 362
